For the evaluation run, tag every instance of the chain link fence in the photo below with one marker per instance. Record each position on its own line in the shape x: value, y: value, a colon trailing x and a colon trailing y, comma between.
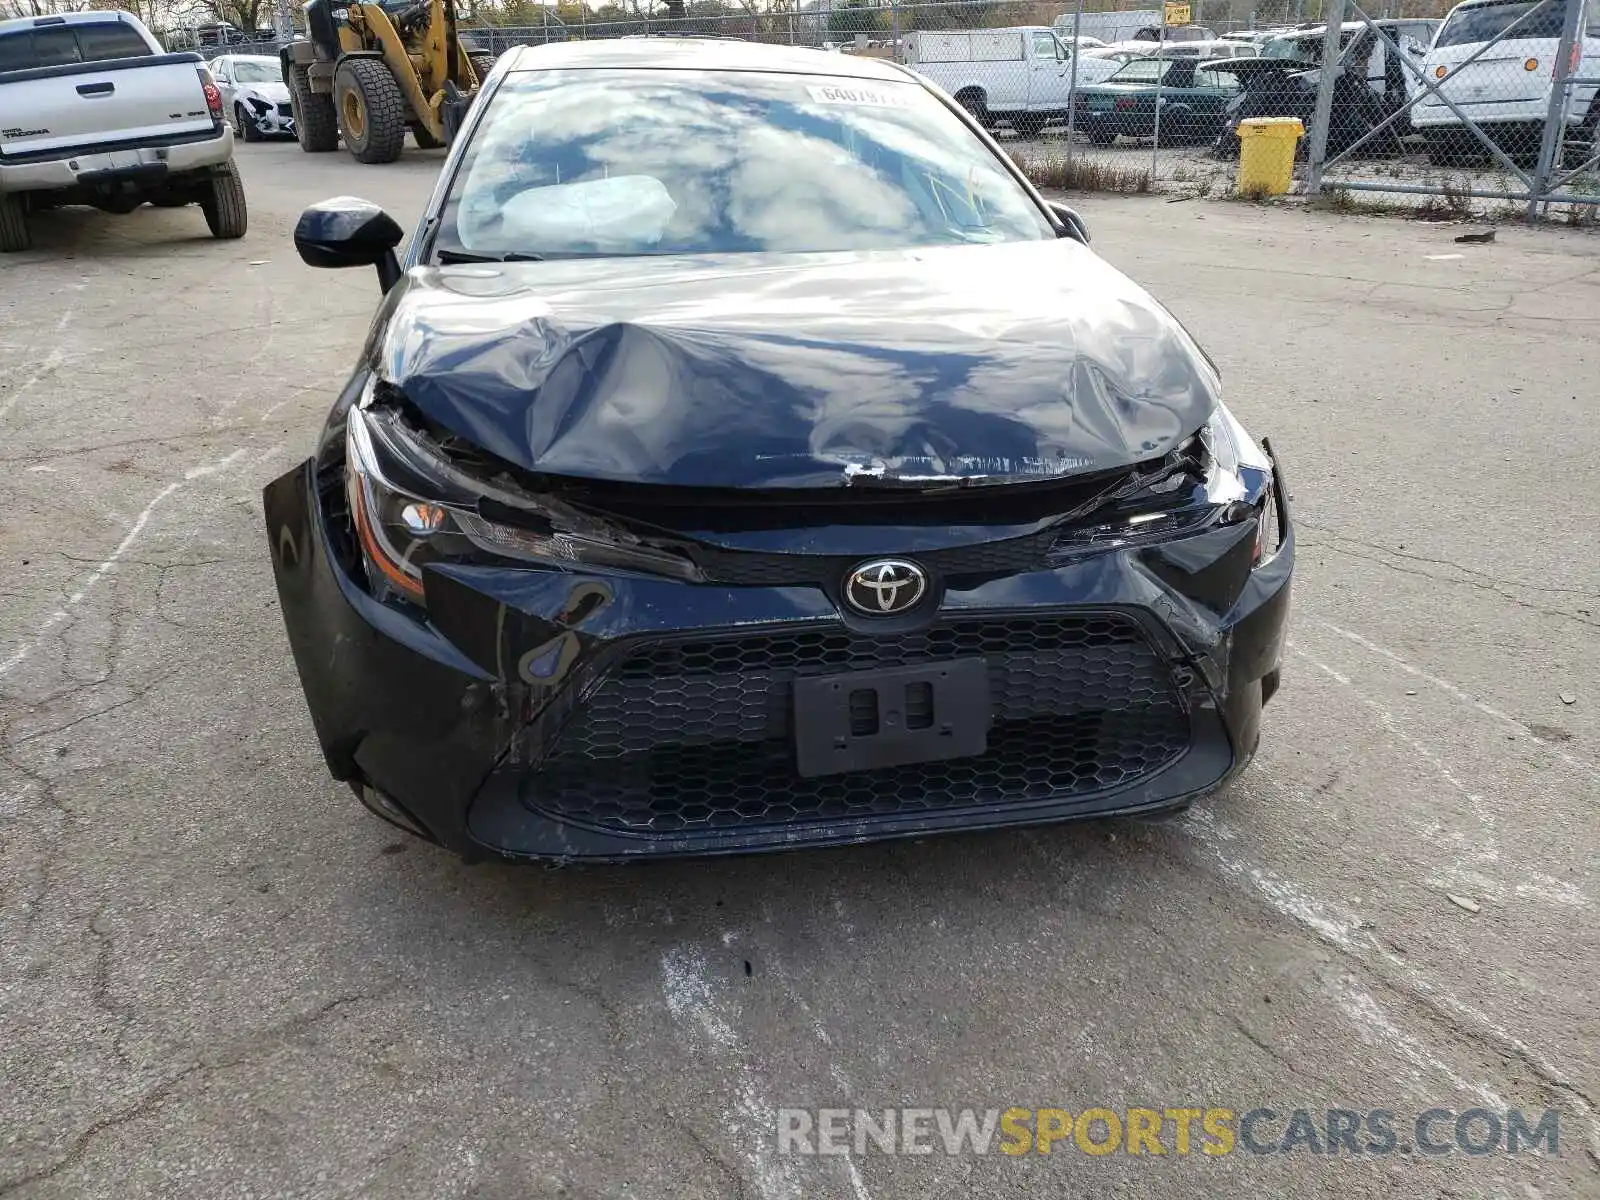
x: 1489, y: 102
x: 1501, y: 106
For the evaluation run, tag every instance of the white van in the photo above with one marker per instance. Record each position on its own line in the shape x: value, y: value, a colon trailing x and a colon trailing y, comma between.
x: 1022, y: 74
x: 1506, y: 89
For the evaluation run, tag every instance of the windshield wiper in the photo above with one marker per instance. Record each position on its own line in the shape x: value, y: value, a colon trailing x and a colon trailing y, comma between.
x: 455, y: 257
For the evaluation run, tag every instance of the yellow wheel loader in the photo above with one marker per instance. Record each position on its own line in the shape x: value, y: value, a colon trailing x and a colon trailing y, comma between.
x: 366, y: 73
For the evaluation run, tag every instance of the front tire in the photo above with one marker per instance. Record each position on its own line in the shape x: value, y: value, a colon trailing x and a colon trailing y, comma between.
x: 316, y: 124
x: 224, y: 206
x: 482, y: 64
x: 14, y: 232
x: 977, y: 106
x: 371, y: 108
x: 244, y: 126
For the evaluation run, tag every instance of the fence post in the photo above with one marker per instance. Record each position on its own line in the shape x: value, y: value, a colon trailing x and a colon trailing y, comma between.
x: 1556, y: 116
x: 1155, y: 142
x: 1072, y: 84
x: 1323, y: 115
x: 894, y: 32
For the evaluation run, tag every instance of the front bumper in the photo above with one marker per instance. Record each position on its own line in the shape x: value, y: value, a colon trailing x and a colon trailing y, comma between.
x: 541, y: 714
x: 275, y: 120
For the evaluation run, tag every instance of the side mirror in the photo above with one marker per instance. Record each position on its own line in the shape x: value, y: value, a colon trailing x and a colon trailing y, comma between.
x: 349, y: 232
x: 1072, y: 223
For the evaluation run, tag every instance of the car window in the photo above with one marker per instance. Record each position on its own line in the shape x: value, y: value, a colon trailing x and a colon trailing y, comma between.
x: 265, y: 71
x: 1044, y: 46
x: 1215, y: 79
x: 38, y: 48
x: 604, y: 162
x: 1514, y: 18
x: 1144, y: 70
x: 99, y: 43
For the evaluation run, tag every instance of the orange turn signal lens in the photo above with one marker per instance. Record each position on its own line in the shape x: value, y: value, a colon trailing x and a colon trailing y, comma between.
x: 1440, y: 72
x: 1531, y: 65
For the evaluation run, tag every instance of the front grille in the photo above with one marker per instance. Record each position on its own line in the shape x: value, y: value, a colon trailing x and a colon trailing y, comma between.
x: 1009, y: 556
x: 696, y: 736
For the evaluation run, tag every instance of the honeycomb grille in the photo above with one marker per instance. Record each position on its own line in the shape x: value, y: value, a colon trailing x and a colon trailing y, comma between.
x: 691, y: 736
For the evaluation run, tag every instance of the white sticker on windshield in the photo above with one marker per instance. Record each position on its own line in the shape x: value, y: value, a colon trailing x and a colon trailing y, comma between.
x: 856, y: 94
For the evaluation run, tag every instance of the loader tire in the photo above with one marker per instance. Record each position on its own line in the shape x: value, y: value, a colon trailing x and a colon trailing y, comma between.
x: 482, y: 64
x: 224, y: 207
x: 316, y: 123
x: 372, y: 110
x: 14, y: 232
x: 424, y: 139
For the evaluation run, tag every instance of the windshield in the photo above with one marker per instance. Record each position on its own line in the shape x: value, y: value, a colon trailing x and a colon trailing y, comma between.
x: 1486, y: 22
x: 1304, y: 50
x: 600, y: 162
x: 257, y: 70
x: 1144, y: 70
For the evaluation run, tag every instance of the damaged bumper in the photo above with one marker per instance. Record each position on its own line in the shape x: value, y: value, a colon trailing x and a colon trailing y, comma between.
x: 584, y: 715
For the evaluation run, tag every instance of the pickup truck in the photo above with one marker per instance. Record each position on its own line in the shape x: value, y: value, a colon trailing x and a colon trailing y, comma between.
x: 92, y: 111
x: 1022, y: 75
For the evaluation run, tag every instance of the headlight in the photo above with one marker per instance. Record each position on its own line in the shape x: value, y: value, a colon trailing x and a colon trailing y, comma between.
x: 1241, y: 474
x: 1219, y: 476
x: 411, y: 507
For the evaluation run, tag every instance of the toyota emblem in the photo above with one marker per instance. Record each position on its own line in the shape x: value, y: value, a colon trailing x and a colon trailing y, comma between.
x: 885, y: 587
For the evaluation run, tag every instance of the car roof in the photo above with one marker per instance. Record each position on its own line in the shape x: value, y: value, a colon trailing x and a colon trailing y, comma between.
x: 97, y: 17
x: 710, y: 54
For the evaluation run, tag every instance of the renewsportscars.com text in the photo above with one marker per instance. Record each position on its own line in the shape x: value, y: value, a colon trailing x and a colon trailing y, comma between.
x: 1212, y: 1132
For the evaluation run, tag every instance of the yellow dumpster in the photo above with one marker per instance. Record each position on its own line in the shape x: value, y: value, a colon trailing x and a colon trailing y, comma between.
x: 1266, y: 155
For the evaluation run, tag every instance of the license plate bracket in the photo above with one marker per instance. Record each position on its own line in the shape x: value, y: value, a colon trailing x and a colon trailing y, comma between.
x: 861, y: 720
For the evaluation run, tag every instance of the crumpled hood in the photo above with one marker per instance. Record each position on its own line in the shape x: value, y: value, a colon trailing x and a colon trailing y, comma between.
x: 272, y: 93
x: 1022, y: 361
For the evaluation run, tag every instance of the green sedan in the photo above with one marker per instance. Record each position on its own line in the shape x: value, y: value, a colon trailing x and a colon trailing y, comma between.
x: 1193, y: 101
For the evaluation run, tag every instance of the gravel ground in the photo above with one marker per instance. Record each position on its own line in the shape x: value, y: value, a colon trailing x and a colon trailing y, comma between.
x: 219, y: 977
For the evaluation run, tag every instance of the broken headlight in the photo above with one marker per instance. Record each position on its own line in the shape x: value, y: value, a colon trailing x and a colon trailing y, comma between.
x: 1239, y: 476
x: 412, y: 507
x: 1218, y: 476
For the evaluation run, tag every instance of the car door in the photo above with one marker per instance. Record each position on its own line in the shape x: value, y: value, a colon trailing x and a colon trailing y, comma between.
x: 222, y: 72
x: 1209, y: 96
x: 1047, y: 72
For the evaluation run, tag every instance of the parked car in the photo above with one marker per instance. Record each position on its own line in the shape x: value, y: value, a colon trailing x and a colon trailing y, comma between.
x: 254, y: 95
x: 745, y: 457
x: 1373, y: 84
x: 1174, y: 33
x: 1109, y: 27
x: 96, y: 113
x: 1097, y: 66
x: 1505, y: 89
x: 1019, y: 74
x: 1191, y: 99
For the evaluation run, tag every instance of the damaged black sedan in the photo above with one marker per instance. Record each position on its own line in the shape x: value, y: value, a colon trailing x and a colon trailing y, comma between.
x: 745, y: 456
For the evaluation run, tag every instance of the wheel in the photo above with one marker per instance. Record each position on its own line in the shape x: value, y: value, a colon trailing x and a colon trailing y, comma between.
x: 977, y: 106
x: 372, y: 110
x: 424, y: 139
x: 14, y: 233
x: 1457, y: 148
x: 243, y: 126
x: 316, y: 125
x: 482, y: 64
x: 224, y: 206
x: 1583, y: 142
